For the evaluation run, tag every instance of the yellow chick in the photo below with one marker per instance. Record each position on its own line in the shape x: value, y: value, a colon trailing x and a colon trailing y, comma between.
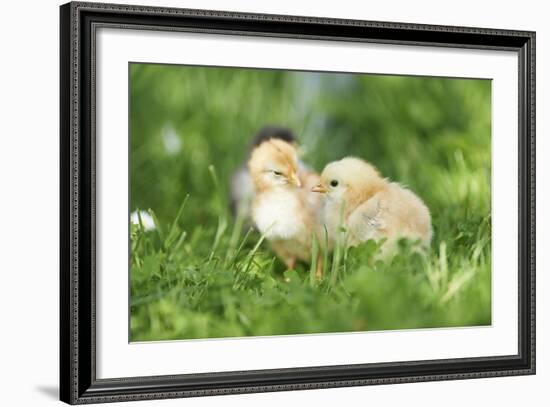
x: 369, y: 206
x: 242, y: 187
x: 282, y: 208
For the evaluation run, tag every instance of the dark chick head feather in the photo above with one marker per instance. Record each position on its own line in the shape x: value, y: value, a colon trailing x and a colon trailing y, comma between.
x: 270, y: 132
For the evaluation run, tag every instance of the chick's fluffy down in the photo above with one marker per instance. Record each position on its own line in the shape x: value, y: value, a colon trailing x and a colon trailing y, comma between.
x: 372, y: 207
x: 283, y: 209
x: 392, y: 213
x: 282, y: 217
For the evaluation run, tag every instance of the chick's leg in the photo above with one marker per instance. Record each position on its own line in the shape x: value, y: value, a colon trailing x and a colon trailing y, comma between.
x: 319, y: 269
x: 290, y: 263
x: 283, y: 253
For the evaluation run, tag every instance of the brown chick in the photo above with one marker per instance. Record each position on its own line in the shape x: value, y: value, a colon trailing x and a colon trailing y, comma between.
x: 369, y: 206
x: 282, y: 209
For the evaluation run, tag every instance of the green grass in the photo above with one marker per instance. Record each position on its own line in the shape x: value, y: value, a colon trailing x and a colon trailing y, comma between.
x: 200, y: 273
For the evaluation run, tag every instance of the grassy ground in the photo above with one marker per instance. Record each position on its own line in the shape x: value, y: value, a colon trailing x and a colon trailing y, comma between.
x: 201, y: 274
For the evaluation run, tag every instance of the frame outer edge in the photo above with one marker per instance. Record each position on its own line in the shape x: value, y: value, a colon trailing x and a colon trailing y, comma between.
x: 64, y: 215
x: 532, y: 168
x: 174, y: 11
x: 70, y: 155
x: 70, y: 137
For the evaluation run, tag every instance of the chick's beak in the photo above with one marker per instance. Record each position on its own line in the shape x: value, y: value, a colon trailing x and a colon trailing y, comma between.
x: 320, y: 188
x: 294, y: 180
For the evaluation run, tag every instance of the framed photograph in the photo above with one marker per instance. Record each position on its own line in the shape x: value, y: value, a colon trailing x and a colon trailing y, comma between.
x: 255, y: 203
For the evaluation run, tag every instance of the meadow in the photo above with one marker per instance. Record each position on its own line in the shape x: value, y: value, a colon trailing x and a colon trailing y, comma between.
x: 201, y: 273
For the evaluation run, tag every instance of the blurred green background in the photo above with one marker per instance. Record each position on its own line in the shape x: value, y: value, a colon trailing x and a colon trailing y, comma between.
x: 198, y: 274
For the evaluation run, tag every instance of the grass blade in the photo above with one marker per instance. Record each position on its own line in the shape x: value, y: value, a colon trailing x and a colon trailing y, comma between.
x: 173, y: 232
x: 314, y: 259
x: 235, y: 234
x: 222, y: 225
x: 158, y: 228
x: 252, y: 253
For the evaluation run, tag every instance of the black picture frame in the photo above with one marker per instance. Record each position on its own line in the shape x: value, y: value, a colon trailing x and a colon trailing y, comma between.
x: 78, y: 382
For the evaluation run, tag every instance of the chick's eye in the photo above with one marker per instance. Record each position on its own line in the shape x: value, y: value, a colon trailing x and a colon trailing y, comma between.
x: 333, y: 183
x: 278, y: 173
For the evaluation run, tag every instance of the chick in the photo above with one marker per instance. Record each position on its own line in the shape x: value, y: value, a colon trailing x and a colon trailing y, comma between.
x: 369, y: 206
x: 242, y: 187
x: 282, y: 208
